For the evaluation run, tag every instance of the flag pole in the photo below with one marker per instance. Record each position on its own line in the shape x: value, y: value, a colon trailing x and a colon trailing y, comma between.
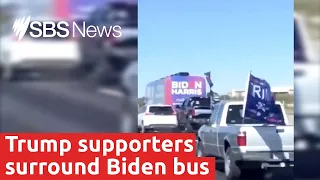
x: 245, y: 98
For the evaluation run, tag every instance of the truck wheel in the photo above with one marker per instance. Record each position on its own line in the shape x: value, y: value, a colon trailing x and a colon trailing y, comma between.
x: 231, y: 170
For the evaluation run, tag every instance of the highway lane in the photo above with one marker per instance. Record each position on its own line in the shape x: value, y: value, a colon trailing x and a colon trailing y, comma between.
x: 59, y: 107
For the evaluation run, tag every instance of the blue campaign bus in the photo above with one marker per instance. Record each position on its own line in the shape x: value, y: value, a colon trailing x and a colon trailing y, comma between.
x: 174, y: 89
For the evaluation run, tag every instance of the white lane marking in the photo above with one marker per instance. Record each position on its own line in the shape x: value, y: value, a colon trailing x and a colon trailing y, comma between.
x: 112, y: 92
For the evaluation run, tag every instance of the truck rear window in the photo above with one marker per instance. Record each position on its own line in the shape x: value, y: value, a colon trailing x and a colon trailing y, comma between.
x: 200, y: 102
x: 234, y: 116
x: 161, y: 110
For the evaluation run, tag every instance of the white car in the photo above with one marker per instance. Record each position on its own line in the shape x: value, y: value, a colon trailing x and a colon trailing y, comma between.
x: 157, y: 118
x: 36, y: 54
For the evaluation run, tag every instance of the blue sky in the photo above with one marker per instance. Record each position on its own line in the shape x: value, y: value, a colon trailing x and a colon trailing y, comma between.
x: 228, y: 38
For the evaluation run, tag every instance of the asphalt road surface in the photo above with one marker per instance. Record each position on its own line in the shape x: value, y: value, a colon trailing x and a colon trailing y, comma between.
x: 59, y: 107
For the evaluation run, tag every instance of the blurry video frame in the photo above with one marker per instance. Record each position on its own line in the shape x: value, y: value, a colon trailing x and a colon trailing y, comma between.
x: 80, y: 83
x: 307, y: 85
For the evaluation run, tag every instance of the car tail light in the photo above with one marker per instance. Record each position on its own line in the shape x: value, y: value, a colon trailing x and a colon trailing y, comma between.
x: 242, y: 139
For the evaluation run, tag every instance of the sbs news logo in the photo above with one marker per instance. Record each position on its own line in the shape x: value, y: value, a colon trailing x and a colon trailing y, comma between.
x: 21, y: 25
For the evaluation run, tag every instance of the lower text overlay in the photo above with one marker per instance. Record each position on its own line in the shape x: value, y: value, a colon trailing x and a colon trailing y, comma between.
x: 97, y: 156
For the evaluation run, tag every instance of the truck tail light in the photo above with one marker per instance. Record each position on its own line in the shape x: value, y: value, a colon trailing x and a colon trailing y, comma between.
x: 242, y: 139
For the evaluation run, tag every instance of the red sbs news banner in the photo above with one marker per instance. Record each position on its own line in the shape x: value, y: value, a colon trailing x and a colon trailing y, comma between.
x: 99, y: 156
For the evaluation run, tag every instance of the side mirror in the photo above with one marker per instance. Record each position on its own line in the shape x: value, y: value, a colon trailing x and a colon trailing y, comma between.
x: 178, y: 106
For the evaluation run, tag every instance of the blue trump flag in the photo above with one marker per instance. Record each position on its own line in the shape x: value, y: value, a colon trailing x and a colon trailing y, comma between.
x: 260, y: 102
x: 208, y: 77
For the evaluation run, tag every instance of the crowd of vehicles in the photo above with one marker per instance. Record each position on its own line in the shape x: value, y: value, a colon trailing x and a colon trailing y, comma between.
x: 246, y: 146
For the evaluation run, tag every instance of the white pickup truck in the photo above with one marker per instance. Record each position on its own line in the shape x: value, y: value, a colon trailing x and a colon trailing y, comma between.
x: 245, y: 145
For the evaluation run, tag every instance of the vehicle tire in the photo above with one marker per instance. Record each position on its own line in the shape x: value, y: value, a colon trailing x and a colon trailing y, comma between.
x: 199, y: 152
x: 231, y: 169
